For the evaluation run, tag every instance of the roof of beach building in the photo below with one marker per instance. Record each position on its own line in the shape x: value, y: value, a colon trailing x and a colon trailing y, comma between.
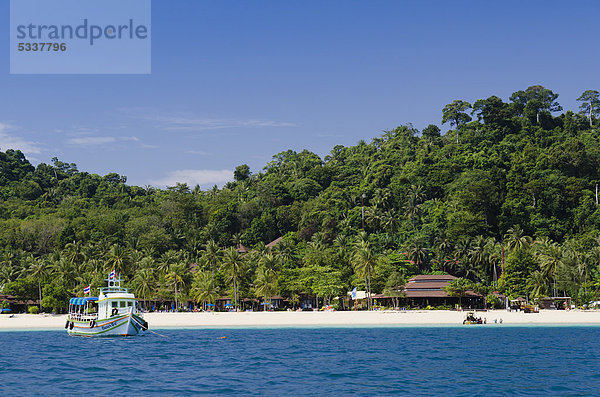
x: 430, y: 286
x: 241, y: 248
x: 274, y: 242
x: 244, y: 250
x: 433, y: 277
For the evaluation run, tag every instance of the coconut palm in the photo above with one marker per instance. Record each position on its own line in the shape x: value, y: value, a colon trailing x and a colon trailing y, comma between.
x: 212, y: 255
x: 63, y: 271
x: 265, y: 283
x: 204, y: 289
x: 364, y: 265
x: 478, y: 257
x: 412, y: 204
x: 285, y: 253
x: 75, y: 254
x: 268, y: 261
x: 144, y: 283
x: 550, y: 259
x: 516, y: 239
x: 166, y: 260
x: 417, y: 253
x: 175, y: 279
x: 38, y: 269
x: 117, y: 259
x: 537, y: 283
x: 234, y: 267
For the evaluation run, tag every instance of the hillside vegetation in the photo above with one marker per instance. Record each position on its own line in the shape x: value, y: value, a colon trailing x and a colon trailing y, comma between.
x: 506, y: 198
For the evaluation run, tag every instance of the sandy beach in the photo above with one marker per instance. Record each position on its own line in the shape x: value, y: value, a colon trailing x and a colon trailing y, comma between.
x: 318, y: 319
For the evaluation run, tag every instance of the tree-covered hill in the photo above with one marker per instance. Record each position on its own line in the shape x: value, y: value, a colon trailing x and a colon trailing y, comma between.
x: 507, y: 197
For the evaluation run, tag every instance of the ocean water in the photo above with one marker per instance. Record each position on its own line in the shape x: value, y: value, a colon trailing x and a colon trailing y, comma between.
x: 465, y: 360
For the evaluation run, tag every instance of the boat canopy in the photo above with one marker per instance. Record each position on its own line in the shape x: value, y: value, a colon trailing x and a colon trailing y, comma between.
x: 82, y: 301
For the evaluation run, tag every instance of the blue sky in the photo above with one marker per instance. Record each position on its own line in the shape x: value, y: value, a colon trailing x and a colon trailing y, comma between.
x: 236, y: 82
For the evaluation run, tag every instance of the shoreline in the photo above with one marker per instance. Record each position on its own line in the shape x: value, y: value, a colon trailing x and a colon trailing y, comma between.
x: 421, y: 318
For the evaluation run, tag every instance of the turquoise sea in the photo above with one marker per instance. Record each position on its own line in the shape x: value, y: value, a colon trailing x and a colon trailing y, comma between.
x: 466, y: 360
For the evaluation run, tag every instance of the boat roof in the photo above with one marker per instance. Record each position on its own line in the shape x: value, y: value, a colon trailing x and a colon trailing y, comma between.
x: 82, y: 301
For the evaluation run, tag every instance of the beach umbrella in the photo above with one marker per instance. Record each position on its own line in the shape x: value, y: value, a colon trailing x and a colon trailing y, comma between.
x: 209, y: 304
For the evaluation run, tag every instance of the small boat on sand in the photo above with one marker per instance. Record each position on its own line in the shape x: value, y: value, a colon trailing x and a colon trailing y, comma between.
x: 471, y: 319
x: 113, y: 312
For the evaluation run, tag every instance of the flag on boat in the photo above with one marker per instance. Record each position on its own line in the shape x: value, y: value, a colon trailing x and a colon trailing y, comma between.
x: 87, y: 289
x: 354, y: 293
x: 112, y: 274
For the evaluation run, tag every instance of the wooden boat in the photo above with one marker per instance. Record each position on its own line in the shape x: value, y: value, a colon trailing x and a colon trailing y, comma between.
x: 114, y: 312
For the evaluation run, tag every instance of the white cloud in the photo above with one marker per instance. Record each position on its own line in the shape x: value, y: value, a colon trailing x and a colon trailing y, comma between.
x: 9, y: 141
x: 91, y: 140
x: 180, y: 122
x: 199, y: 152
x: 195, y: 177
x: 100, y: 140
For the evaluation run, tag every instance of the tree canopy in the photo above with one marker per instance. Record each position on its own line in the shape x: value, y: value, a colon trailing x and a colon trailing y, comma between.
x: 489, y: 208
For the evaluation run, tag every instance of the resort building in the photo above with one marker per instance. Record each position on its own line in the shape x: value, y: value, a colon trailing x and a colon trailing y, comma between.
x: 421, y: 291
x: 429, y: 290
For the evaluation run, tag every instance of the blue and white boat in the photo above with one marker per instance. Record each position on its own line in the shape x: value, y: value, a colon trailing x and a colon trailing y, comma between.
x: 113, y: 312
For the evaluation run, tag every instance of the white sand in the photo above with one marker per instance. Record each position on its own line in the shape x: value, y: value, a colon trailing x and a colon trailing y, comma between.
x: 304, y: 319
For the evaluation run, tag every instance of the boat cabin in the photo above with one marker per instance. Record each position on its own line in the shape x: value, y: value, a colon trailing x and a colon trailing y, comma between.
x: 83, y: 309
x: 115, y: 300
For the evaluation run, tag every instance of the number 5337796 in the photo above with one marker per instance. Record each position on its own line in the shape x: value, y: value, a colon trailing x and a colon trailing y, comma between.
x: 42, y: 47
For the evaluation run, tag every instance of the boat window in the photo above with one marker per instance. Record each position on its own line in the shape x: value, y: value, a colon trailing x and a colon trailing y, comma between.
x: 129, y: 304
x: 122, y: 304
x: 115, y: 304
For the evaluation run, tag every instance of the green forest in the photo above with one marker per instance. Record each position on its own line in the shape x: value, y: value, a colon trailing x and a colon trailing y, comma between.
x: 506, y: 199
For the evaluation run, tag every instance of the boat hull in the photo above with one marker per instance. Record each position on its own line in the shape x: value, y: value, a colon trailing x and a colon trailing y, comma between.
x: 120, y: 325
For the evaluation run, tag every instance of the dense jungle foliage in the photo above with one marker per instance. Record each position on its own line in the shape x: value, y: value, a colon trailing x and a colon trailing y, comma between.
x: 507, y: 198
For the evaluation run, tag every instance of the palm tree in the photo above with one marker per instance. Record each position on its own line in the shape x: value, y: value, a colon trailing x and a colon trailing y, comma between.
x: 75, y: 254
x: 550, y: 259
x: 417, y: 253
x: 493, y: 250
x: 412, y: 204
x: 265, y: 283
x: 166, y: 260
x: 364, y: 265
x: 118, y: 258
x: 63, y: 271
x: 284, y: 252
x: 38, y: 268
x: 537, y: 283
x: 174, y: 278
x: 234, y: 266
x: 268, y: 261
x: 144, y: 283
x: 212, y: 254
x: 204, y: 289
x: 8, y: 270
x: 478, y: 257
x: 516, y: 240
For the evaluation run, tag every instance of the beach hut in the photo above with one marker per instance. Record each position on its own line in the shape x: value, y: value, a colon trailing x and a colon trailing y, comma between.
x: 429, y: 290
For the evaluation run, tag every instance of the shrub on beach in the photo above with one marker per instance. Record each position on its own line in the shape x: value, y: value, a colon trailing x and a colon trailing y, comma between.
x: 494, y: 301
x: 33, y: 310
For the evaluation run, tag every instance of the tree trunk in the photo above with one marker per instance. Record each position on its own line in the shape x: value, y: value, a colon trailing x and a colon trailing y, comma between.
x: 235, y: 305
x: 40, y: 291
